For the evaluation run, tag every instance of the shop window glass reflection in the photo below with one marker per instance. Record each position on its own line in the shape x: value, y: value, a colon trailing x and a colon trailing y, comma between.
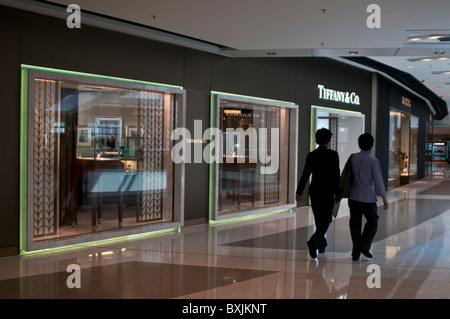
x: 242, y: 185
x: 346, y: 126
x: 101, y: 158
x: 413, y: 148
x: 403, y: 132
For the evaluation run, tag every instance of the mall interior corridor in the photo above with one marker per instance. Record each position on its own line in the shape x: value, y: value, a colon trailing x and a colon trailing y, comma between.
x: 258, y: 258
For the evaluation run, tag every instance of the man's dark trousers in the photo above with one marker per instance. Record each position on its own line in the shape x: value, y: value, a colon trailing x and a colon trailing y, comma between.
x: 357, y: 211
x: 322, y: 208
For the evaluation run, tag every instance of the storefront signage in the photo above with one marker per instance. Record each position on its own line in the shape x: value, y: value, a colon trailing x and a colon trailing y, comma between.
x: 196, y: 141
x: 239, y: 113
x: 338, y: 96
x: 406, y: 101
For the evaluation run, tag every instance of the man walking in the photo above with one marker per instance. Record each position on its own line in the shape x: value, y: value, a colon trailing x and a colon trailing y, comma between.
x: 367, y: 184
x: 323, y: 164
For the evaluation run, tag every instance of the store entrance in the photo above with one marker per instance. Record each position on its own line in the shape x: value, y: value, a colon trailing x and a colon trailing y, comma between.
x: 346, y: 127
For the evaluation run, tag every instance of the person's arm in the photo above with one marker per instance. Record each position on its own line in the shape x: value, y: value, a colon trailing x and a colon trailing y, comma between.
x: 378, y: 183
x: 337, y: 176
x: 377, y: 179
x: 307, y: 170
x: 385, y: 202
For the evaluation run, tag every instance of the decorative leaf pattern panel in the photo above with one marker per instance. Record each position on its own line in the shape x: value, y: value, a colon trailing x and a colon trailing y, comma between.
x: 45, y: 157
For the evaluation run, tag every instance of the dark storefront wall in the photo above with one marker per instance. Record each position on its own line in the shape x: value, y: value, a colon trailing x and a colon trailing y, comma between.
x: 345, y: 78
x: 43, y: 41
x: 10, y: 27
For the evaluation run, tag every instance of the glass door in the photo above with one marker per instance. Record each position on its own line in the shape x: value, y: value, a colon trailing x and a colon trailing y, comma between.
x: 346, y: 127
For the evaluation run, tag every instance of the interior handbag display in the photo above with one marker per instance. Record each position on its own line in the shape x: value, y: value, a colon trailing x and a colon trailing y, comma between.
x: 345, y: 182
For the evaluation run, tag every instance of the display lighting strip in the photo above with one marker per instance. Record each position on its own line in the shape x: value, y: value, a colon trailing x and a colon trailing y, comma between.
x: 256, y: 99
x: 248, y: 217
x: 101, y: 242
x: 97, y: 76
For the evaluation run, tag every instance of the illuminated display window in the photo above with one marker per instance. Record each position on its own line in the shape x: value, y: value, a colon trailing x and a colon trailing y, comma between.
x: 403, y: 144
x: 345, y: 125
x: 254, y: 170
x: 96, y: 155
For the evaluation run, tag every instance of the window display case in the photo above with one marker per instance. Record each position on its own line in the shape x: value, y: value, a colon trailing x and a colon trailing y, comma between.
x: 97, y: 162
x: 439, y: 152
x: 255, y: 168
x: 448, y: 152
x: 403, y: 146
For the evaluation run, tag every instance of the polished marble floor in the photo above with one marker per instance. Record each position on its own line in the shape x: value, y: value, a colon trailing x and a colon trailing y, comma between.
x: 264, y: 258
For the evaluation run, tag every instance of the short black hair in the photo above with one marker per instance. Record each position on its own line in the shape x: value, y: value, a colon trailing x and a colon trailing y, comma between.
x: 323, y: 136
x: 365, y: 142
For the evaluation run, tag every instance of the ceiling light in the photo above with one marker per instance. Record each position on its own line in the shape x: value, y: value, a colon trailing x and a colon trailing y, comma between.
x: 410, y: 67
x: 421, y: 37
x: 440, y: 72
x: 271, y: 53
x: 353, y: 52
x: 427, y: 59
x: 439, y: 52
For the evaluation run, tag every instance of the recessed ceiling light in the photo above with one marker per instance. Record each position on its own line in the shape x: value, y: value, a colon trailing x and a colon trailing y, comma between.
x: 440, y: 72
x: 353, y: 52
x: 439, y: 52
x: 410, y: 67
x: 421, y: 37
x: 427, y: 59
x: 271, y: 53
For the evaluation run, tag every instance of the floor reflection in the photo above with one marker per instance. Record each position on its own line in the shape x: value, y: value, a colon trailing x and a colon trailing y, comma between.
x: 259, y: 258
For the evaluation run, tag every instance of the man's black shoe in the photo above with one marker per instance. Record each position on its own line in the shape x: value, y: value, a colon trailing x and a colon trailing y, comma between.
x: 366, y: 253
x: 312, y: 250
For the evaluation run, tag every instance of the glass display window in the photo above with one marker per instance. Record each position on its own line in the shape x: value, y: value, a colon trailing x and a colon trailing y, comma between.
x: 403, y: 145
x: 255, y: 171
x: 448, y: 152
x: 97, y: 157
x: 439, y: 152
x: 413, y: 149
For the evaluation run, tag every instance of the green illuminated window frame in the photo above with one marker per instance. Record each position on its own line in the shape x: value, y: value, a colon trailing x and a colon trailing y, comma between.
x: 214, y: 217
x: 26, y: 244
